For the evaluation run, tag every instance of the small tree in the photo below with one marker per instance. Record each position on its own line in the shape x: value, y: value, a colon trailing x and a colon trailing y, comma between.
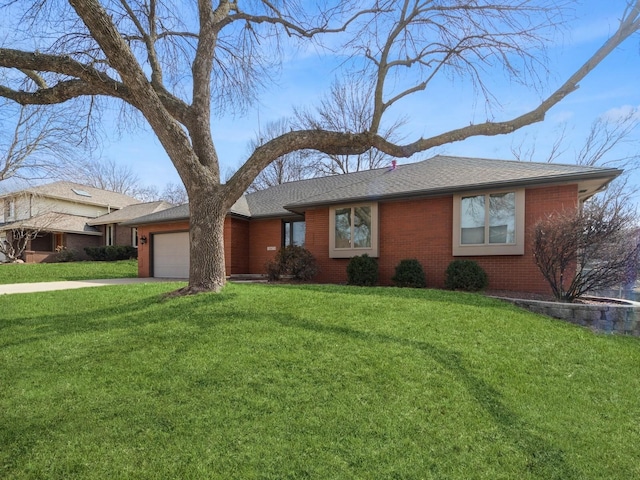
x: 594, y: 247
x: 14, y: 242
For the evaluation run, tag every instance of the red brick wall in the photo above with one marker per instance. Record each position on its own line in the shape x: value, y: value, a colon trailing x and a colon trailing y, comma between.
x: 423, y: 229
x: 144, y: 252
x: 236, y: 245
x: 419, y: 229
x: 263, y: 234
x: 236, y: 241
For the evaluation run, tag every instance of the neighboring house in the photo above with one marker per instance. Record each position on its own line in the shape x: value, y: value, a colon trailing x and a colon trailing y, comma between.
x: 436, y: 211
x: 60, y: 213
x: 112, y: 228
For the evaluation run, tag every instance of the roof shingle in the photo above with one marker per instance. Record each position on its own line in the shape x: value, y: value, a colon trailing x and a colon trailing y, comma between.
x: 439, y: 175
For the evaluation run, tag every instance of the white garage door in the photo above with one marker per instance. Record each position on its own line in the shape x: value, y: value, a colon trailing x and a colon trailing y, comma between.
x: 171, y: 255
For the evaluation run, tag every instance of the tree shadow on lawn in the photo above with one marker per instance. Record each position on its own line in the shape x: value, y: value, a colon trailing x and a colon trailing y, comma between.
x: 545, y: 461
x: 137, y: 310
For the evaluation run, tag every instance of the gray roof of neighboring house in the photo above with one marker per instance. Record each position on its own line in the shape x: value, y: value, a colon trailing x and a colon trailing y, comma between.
x: 76, y: 192
x: 130, y: 212
x: 439, y: 175
x: 54, y: 222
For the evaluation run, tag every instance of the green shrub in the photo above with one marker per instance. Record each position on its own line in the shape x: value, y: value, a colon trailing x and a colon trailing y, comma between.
x: 65, y: 254
x: 292, y: 260
x: 111, y: 253
x: 362, y: 271
x: 465, y: 275
x: 409, y: 273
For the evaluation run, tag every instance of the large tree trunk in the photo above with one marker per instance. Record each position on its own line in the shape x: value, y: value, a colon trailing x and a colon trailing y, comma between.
x: 206, y: 235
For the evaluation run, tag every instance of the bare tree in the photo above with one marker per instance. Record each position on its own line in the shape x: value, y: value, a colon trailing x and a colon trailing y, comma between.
x: 580, y: 251
x: 35, y: 143
x: 15, y: 236
x: 347, y: 108
x: 181, y: 63
x: 107, y: 175
x: 287, y: 168
x: 173, y: 193
x: 599, y: 148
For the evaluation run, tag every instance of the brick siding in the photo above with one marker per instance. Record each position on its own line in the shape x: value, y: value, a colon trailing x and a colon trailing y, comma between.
x: 421, y: 229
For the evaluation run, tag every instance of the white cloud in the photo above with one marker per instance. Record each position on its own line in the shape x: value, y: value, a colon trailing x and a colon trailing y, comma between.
x: 621, y: 113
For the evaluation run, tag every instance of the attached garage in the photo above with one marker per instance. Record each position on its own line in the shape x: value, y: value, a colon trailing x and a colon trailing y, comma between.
x: 171, y: 255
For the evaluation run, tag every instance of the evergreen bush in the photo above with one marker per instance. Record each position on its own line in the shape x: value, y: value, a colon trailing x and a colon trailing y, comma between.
x: 409, y: 273
x: 362, y: 271
x: 111, y: 253
x: 466, y: 275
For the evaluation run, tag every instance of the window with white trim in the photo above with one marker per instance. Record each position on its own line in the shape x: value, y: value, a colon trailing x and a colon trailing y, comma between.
x: 110, y: 234
x: 489, y: 223
x: 353, y: 230
x: 134, y: 237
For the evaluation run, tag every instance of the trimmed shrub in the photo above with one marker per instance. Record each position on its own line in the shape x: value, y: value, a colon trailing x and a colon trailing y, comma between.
x: 65, y: 254
x: 409, y: 273
x: 292, y: 260
x: 362, y: 271
x: 466, y: 275
x: 111, y: 253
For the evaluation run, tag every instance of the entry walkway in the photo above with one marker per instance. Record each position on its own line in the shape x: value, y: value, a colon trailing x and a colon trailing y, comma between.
x: 71, y: 284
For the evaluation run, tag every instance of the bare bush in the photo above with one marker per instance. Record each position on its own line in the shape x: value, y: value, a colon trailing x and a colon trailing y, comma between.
x: 595, y: 247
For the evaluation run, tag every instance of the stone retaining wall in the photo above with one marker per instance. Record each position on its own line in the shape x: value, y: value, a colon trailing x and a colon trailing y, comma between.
x: 604, y: 318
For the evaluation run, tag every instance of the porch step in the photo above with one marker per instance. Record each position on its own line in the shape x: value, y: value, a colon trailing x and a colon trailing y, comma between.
x: 248, y: 277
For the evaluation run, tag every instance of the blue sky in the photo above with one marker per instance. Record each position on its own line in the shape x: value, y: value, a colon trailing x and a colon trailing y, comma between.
x: 614, y: 86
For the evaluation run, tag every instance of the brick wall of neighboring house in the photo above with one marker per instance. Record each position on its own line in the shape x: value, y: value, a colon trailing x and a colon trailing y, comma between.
x: 144, y: 250
x: 265, y: 239
x: 42, y: 243
x: 76, y: 242
x: 122, y: 236
x: 41, y: 251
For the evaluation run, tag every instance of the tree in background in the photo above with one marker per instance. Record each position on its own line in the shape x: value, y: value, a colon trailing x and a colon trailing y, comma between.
x: 36, y: 143
x: 182, y: 64
x: 115, y: 177
x: 287, y: 168
x: 595, y: 247
x: 347, y: 108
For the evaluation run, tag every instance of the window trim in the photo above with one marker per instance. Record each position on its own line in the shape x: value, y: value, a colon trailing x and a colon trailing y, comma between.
x: 110, y: 235
x: 350, y: 252
x: 517, y: 248
x: 284, y: 232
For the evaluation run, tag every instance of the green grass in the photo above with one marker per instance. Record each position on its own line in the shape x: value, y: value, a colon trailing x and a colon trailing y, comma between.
x: 318, y: 382
x: 50, y: 272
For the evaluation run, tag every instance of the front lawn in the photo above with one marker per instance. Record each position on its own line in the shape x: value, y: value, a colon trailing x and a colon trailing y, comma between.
x: 51, y: 272
x: 321, y: 382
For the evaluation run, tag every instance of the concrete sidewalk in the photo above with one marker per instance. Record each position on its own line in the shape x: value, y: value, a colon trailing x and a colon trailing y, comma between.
x: 68, y: 285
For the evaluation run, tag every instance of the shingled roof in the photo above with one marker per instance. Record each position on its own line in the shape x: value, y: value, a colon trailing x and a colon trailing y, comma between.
x: 130, y: 212
x: 76, y: 192
x: 55, y: 222
x: 440, y: 175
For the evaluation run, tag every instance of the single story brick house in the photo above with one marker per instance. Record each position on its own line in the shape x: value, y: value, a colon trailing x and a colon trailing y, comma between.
x: 436, y: 211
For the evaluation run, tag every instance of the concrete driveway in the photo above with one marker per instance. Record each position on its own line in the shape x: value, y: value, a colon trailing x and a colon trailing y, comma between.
x: 67, y: 285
